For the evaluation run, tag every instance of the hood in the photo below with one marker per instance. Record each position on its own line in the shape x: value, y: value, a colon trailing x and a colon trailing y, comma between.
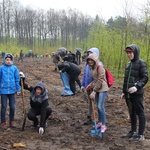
x: 8, y: 55
x: 94, y: 57
x: 136, y: 51
x: 94, y: 50
x: 41, y: 85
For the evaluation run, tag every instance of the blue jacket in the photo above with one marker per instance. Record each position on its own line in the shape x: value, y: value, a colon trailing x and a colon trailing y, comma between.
x: 9, y: 78
x: 87, y: 78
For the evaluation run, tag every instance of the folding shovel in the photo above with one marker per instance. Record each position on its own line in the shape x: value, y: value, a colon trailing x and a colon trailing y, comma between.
x: 96, y: 131
x: 24, y: 105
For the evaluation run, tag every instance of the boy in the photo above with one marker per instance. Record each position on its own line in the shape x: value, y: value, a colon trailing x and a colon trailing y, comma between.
x: 39, y: 104
x: 136, y: 77
x: 9, y: 85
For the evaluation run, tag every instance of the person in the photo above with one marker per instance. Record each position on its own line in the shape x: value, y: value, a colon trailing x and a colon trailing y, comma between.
x: 86, y: 80
x: 21, y: 56
x: 9, y: 85
x: 78, y: 56
x: 73, y: 71
x: 135, y: 78
x: 39, y: 104
x: 99, y: 89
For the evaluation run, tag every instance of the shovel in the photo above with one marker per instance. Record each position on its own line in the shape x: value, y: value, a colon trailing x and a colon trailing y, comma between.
x: 96, y: 131
x: 24, y: 105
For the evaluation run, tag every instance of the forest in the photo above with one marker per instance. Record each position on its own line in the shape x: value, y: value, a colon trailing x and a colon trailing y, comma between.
x: 45, y: 31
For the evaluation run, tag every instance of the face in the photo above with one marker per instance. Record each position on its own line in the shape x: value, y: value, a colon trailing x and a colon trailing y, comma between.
x: 38, y: 91
x: 8, y: 61
x: 90, y: 62
x: 130, y: 55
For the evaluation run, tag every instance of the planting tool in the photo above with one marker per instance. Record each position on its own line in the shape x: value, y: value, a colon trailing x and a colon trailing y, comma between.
x: 24, y: 105
x: 96, y: 131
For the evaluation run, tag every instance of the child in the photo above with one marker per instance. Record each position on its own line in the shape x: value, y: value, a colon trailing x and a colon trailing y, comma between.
x: 86, y: 80
x: 73, y: 71
x: 39, y: 104
x: 136, y: 77
x: 100, y: 88
x: 9, y: 85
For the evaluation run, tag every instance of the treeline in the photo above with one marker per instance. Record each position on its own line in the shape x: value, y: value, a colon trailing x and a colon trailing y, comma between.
x: 39, y: 29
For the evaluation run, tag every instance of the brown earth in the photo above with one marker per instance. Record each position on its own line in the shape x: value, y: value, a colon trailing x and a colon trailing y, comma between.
x: 65, y: 129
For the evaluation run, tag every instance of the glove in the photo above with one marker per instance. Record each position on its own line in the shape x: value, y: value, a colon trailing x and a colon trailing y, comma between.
x: 132, y: 89
x: 92, y: 95
x: 21, y: 74
x: 83, y: 88
x: 122, y: 96
x: 41, y: 130
x: 88, y: 87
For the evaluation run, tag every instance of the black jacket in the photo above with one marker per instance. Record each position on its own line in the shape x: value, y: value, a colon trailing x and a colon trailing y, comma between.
x: 70, y: 68
x: 136, y: 73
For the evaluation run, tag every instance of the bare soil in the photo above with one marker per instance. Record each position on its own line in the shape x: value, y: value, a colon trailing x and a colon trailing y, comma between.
x: 66, y: 130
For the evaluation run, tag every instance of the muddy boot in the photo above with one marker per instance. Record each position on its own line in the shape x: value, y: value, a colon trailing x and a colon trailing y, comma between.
x: 89, y: 120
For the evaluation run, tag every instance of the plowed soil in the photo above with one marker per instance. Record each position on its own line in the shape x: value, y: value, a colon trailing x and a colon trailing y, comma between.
x: 66, y: 130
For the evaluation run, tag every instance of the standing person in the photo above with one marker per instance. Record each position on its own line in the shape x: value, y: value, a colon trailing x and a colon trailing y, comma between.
x: 39, y: 104
x: 99, y: 87
x: 78, y: 56
x: 86, y: 80
x: 9, y: 85
x: 136, y: 77
x: 21, y: 56
x: 73, y: 71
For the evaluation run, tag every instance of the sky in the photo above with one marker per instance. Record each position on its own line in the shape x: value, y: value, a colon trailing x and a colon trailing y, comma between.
x: 104, y: 8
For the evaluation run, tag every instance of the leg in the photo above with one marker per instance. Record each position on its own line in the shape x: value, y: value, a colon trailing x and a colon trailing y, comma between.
x: 3, y: 107
x: 11, y: 98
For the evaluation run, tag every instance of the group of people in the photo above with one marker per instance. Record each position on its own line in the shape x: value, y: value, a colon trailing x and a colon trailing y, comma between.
x: 10, y: 84
x: 93, y: 82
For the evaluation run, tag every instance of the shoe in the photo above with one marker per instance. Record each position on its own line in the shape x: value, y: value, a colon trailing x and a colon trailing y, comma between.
x: 98, y: 125
x: 137, y: 138
x: 103, y: 128
x: 129, y: 135
x: 34, y: 125
x: 12, y: 124
x: 89, y: 120
x: 3, y: 125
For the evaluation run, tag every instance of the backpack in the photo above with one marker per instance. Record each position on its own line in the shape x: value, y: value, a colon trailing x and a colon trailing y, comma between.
x: 109, y: 77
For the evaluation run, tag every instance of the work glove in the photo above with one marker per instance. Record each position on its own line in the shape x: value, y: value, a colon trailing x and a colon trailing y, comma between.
x: 89, y: 87
x: 83, y: 88
x: 122, y: 96
x: 21, y: 74
x: 92, y: 95
x: 132, y: 90
x: 41, y: 130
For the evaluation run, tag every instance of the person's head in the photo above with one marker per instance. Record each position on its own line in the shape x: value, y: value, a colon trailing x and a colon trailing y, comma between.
x: 38, y: 90
x: 92, y: 60
x: 94, y: 50
x: 8, y: 59
x: 133, y: 52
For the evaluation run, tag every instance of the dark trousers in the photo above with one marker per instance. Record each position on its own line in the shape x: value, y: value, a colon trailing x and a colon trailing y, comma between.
x: 33, y: 113
x: 136, y: 109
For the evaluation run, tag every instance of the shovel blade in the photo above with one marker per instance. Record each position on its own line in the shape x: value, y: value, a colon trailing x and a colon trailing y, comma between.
x: 96, y: 132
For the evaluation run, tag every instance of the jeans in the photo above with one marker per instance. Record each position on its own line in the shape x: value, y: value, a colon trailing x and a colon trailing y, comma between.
x: 11, y: 98
x: 100, y: 102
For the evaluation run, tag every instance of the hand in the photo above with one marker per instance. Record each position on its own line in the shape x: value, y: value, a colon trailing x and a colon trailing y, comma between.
x: 60, y: 71
x: 41, y: 130
x: 89, y: 87
x: 132, y: 89
x: 122, y: 96
x: 18, y: 93
x: 83, y: 88
x: 92, y: 95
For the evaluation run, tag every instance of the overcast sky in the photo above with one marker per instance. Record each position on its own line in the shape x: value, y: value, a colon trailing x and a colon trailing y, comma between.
x: 104, y: 8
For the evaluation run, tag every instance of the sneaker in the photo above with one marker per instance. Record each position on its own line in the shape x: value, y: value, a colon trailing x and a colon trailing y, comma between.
x: 12, y: 124
x: 3, y: 126
x: 103, y: 128
x: 137, y: 138
x: 98, y: 125
x: 129, y: 135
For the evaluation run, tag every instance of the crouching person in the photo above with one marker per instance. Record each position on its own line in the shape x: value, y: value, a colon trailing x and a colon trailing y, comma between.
x: 39, y: 105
